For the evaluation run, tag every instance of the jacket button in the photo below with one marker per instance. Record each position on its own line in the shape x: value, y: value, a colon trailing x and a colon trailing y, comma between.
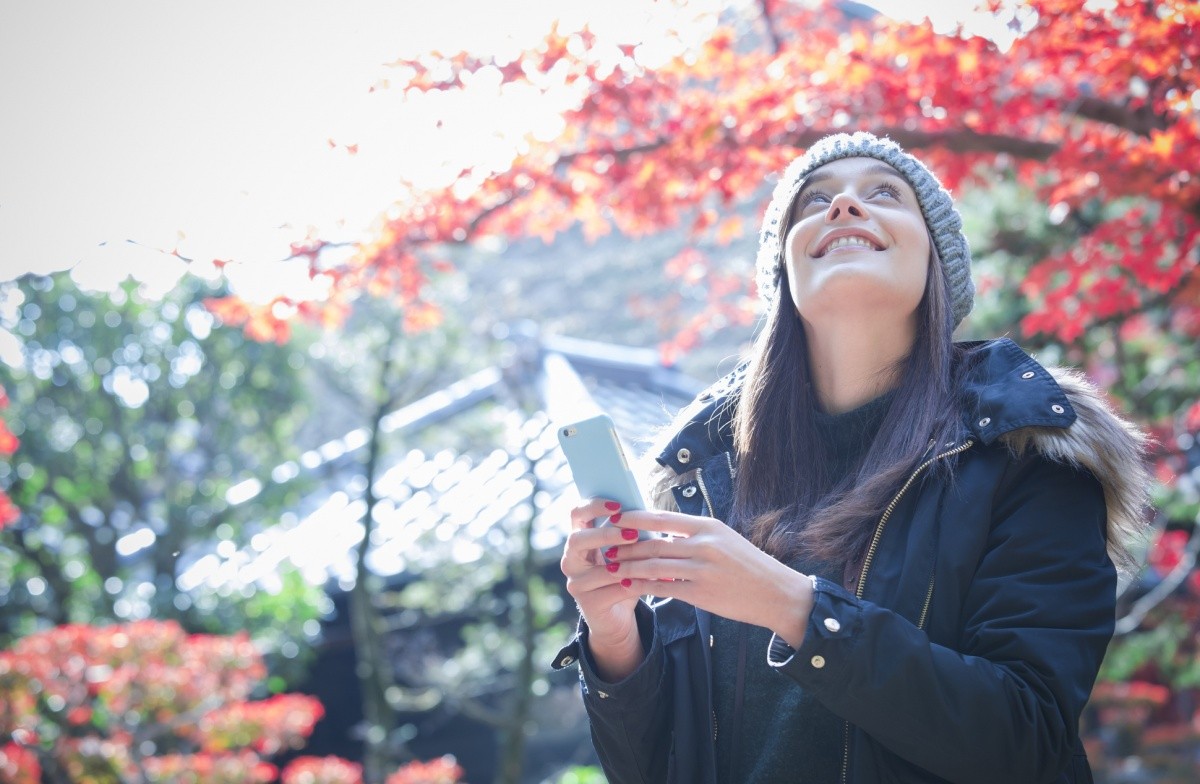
x: 1027, y: 374
x: 985, y: 421
x: 818, y: 661
x: 689, y: 491
x: 1056, y: 408
x: 683, y: 455
x: 832, y: 625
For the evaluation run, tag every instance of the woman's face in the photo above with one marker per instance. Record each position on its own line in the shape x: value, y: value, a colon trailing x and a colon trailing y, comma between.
x: 857, y: 244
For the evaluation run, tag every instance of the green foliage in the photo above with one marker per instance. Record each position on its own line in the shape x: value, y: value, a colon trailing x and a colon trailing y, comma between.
x: 1159, y: 646
x: 136, y: 419
x: 580, y: 775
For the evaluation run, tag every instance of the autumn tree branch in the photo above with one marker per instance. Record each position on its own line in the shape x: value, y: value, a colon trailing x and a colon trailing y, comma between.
x: 1140, y: 120
x: 767, y: 15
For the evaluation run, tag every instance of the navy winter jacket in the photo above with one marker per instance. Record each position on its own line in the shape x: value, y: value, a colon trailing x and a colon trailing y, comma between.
x: 970, y: 644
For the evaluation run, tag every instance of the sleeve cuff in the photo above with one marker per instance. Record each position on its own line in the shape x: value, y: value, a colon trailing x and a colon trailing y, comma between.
x: 779, y: 652
x: 821, y: 660
x: 641, y: 684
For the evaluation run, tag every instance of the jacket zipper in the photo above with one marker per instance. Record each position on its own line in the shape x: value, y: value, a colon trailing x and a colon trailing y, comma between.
x: 928, y: 599
x: 704, y: 490
x: 862, y: 576
x: 708, y: 501
x: 711, y: 512
x: 887, y: 513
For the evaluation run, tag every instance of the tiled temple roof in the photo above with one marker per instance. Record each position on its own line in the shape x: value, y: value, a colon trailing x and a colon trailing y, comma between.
x: 455, y: 497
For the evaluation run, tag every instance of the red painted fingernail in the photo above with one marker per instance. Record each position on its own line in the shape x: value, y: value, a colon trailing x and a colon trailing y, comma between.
x: 629, y: 533
x: 612, y: 567
x: 626, y: 582
x: 610, y: 552
x: 615, y: 518
x: 611, y: 505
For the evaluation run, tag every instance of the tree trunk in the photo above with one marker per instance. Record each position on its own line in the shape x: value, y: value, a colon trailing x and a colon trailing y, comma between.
x: 374, y: 674
x: 512, y: 738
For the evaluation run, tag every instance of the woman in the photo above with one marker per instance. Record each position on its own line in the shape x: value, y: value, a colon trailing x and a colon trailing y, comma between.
x: 892, y: 556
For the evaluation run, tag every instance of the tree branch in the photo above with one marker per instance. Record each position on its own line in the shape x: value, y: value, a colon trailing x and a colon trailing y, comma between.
x: 52, y: 572
x: 960, y: 140
x: 1142, y: 607
x: 764, y: 12
x: 1140, y: 120
x: 473, y: 709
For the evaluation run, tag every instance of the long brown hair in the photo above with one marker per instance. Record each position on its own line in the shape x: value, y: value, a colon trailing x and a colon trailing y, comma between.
x: 785, y: 501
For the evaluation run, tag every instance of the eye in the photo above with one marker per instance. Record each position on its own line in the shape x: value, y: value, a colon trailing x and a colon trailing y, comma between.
x: 810, y: 197
x: 888, y: 189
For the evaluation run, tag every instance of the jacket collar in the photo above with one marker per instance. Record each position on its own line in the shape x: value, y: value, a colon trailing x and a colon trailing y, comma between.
x: 708, y: 425
x: 1004, y: 389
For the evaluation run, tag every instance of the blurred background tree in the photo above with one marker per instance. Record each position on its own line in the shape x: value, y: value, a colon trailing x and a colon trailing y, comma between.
x: 380, y: 359
x: 148, y: 436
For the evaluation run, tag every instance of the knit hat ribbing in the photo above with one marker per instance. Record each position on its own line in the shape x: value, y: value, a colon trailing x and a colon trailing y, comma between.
x: 943, y: 220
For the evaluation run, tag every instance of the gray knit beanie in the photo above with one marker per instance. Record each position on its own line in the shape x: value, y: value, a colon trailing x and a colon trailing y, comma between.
x: 943, y: 220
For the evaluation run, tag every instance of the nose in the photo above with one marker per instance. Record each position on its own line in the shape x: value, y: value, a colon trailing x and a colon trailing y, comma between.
x: 844, y: 204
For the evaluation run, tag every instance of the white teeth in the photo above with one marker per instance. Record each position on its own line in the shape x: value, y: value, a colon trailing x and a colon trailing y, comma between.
x: 842, y: 242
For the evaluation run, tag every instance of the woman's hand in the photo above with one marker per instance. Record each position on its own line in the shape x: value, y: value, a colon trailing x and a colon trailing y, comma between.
x: 605, y: 598
x: 709, y: 565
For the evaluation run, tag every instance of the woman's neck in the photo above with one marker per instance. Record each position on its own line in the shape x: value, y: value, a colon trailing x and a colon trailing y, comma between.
x: 852, y: 364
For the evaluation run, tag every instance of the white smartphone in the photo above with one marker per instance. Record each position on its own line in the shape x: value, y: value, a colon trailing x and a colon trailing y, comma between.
x: 598, y: 463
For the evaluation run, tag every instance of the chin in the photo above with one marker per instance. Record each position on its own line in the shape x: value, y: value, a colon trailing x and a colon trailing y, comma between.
x: 860, y: 293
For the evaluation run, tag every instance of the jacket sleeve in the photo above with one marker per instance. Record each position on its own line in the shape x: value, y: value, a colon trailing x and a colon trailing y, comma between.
x: 1037, y: 616
x: 629, y: 719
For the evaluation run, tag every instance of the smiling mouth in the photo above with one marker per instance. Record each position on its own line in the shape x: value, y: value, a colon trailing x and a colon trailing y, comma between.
x: 852, y: 241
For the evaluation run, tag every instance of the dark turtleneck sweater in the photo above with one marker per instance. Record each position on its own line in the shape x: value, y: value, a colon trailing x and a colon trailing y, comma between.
x: 782, y: 734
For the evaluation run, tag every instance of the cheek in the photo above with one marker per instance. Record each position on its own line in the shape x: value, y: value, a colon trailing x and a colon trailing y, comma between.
x: 794, y: 266
x: 920, y: 281
x: 917, y: 263
x: 794, y: 243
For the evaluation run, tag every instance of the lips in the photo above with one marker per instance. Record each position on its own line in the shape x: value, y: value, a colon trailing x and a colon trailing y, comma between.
x: 848, y: 239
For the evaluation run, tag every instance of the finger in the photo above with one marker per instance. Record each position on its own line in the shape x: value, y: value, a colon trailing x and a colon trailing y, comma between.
x: 576, y: 555
x: 660, y: 569
x: 582, y: 516
x: 663, y: 589
x: 589, y: 548
x: 665, y: 522
x: 593, y: 579
x: 584, y: 544
x: 654, y: 548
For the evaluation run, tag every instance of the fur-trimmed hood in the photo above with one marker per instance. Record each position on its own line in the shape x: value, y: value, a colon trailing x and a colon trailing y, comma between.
x: 1061, y: 415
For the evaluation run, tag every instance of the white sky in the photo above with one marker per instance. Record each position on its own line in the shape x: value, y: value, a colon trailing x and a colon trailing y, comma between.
x: 206, y: 126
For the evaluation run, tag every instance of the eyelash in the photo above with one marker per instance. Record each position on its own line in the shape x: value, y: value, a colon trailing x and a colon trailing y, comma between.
x: 886, y: 187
